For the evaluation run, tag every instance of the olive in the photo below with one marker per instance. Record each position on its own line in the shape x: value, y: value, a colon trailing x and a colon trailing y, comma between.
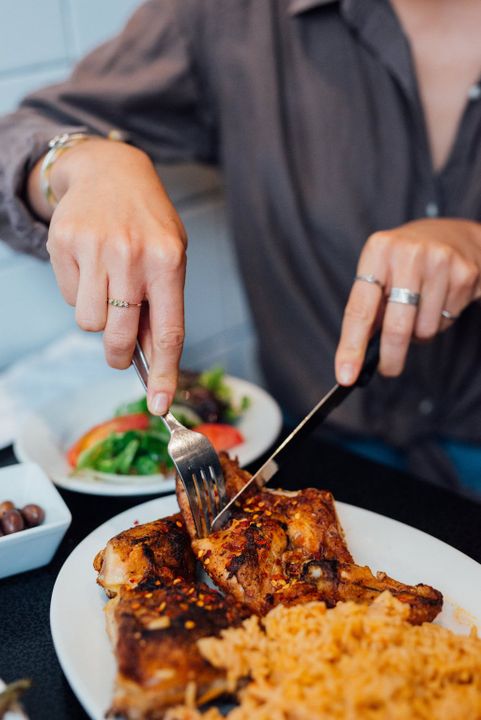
x: 12, y: 522
x: 33, y: 515
x: 5, y: 506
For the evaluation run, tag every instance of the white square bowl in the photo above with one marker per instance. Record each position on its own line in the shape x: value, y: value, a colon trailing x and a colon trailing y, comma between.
x: 32, y: 548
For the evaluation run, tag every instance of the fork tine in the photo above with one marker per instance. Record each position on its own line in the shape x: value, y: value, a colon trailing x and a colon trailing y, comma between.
x: 213, y: 490
x: 209, y: 494
x: 202, y: 499
x: 219, y: 484
x: 194, y: 504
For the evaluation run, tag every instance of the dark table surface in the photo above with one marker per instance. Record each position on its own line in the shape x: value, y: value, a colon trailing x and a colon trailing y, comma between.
x: 26, y: 648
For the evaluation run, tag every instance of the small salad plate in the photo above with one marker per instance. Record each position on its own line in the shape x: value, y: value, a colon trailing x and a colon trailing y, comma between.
x: 45, y: 437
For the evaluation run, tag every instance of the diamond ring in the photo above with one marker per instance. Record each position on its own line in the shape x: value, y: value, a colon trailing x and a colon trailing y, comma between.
x: 122, y: 303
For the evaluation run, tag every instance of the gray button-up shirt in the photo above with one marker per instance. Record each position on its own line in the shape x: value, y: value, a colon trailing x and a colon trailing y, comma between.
x: 311, y: 108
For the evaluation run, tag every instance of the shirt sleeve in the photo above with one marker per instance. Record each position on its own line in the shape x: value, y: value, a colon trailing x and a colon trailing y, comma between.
x: 145, y: 82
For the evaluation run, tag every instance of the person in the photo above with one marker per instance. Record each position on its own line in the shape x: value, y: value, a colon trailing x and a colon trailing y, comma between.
x: 348, y: 135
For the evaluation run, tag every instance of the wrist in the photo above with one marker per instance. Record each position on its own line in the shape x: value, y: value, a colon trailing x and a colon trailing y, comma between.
x: 89, y: 158
x: 56, y: 175
x: 57, y: 146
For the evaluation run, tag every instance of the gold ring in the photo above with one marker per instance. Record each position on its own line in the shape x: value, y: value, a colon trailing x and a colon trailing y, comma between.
x: 122, y: 303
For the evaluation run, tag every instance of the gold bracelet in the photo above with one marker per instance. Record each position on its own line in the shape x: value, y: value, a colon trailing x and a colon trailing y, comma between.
x: 57, y: 146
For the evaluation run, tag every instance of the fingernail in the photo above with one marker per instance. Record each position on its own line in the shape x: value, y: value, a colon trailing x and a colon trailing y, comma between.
x: 345, y: 374
x: 159, y: 404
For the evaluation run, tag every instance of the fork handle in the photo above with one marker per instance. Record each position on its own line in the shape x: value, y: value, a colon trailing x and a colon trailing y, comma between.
x: 139, y: 361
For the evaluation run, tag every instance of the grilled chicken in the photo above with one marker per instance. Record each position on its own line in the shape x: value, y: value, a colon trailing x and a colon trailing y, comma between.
x: 157, y: 613
x: 337, y: 581
x: 268, y: 541
x: 159, y: 549
x: 279, y: 547
x: 288, y: 547
x: 154, y: 631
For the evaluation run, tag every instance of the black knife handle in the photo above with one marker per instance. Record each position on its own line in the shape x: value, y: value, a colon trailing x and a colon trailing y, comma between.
x: 333, y: 398
x: 371, y: 361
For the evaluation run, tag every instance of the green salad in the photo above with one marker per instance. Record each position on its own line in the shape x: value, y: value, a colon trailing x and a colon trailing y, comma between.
x: 134, y: 442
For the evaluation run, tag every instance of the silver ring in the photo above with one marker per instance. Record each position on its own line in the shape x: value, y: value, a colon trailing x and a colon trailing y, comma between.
x: 122, y: 303
x: 448, y: 315
x: 404, y: 296
x: 369, y: 278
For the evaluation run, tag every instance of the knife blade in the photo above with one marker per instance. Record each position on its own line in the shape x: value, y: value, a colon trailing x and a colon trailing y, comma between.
x: 313, y: 419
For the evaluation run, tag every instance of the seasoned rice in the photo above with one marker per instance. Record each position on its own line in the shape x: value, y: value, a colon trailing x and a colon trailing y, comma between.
x: 353, y: 662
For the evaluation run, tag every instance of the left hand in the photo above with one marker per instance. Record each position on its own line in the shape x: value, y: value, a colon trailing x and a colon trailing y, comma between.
x: 438, y: 258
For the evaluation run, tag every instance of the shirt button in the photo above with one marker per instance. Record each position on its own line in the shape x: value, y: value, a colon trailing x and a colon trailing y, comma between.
x: 474, y: 92
x: 426, y: 406
x: 432, y: 210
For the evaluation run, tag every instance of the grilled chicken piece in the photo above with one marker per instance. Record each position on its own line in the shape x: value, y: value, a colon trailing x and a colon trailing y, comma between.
x: 234, y: 477
x: 289, y: 547
x: 269, y: 541
x: 159, y: 549
x: 154, y: 632
x: 157, y: 613
x: 245, y: 561
x: 337, y: 581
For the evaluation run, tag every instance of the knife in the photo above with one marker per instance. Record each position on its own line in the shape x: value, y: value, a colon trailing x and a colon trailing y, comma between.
x: 315, y: 417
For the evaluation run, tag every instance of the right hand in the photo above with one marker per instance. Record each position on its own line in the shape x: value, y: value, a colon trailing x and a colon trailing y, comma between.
x: 115, y: 233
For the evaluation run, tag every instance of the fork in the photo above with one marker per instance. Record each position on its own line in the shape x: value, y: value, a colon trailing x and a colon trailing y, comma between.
x: 195, y: 460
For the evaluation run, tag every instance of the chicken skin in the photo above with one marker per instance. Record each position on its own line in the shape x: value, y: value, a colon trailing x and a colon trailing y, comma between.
x: 156, y: 614
x: 289, y: 547
x: 159, y: 549
x: 154, y: 630
x: 278, y: 547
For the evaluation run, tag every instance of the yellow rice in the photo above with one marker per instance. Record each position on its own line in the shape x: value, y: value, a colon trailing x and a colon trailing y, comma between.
x: 353, y: 662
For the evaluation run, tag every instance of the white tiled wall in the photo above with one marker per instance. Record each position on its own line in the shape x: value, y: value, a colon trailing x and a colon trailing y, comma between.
x: 39, y: 42
x: 40, y: 39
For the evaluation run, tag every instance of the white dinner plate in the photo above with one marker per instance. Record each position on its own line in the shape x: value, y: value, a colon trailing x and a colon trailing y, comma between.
x: 45, y: 435
x: 409, y: 555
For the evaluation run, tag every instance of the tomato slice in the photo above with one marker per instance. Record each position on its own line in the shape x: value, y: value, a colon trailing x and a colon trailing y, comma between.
x: 222, y: 436
x: 138, y: 421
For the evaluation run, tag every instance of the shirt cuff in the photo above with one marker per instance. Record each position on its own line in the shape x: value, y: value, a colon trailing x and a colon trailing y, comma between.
x: 20, y: 149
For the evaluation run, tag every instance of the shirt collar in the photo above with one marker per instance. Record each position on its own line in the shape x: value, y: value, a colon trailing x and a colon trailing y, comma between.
x: 376, y: 24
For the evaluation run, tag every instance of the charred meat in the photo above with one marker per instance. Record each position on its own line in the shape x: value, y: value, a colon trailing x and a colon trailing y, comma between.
x: 289, y: 547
